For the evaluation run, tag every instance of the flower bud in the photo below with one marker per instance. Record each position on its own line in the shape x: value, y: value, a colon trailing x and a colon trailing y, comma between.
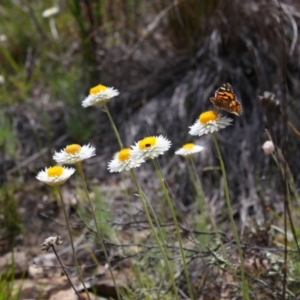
x: 268, y: 147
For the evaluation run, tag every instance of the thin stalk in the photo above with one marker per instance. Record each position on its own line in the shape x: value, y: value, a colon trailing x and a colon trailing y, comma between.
x: 280, y: 161
x: 157, y: 222
x: 62, y: 266
x: 285, y: 170
x: 167, y: 196
x: 53, y: 28
x: 244, y: 280
x: 225, y: 255
x: 136, y: 271
x: 80, y: 170
x: 160, y: 230
x: 113, y: 126
x: 201, y: 200
x: 142, y: 197
x: 198, y: 186
x: 72, y: 243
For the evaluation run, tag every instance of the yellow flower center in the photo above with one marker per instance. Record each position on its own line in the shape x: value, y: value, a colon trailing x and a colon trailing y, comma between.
x: 72, y: 149
x: 208, y: 116
x: 188, y: 146
x: 97, y: 89
x: 124, y: 154
x: 55, y: 171
x: 147, y: 142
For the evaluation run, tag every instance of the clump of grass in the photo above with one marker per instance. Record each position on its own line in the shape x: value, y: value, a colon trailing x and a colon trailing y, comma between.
x: 8, y: 142
x: 8, y: 288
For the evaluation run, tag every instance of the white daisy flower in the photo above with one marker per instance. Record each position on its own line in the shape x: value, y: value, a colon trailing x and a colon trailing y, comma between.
x: 268, y: 147
x: 56, y: 175
x: 3, y: 38
x: 2, y: 79
x: 50, y: 12
x: 189, y: 150
x: 124, y: 161
x: 209, y: 122
x: 99, y: 95
x: 151, y: 147
x: 73, y: 154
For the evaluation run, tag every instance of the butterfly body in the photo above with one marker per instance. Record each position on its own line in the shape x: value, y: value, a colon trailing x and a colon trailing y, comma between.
x: 225, y: 99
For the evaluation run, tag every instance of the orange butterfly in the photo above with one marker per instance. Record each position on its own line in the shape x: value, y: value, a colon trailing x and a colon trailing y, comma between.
x: 225, y: 99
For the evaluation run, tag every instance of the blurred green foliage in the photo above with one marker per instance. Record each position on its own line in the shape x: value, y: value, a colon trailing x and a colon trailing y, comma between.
x: 10, y: 219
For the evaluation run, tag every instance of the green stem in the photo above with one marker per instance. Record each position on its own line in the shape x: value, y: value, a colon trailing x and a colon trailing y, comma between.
x: 80, y: 170
x: 244, y: 281
x: 166, y: 193
x: 161, y: 231
x: 210, y: 216
x: 198, y: 187
x: 136, y: 271
x: 113, y: 125
x: 72, y: 243
x: 142, y: 197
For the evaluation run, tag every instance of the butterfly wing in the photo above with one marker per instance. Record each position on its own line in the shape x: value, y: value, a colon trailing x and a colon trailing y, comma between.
x: 225, y: 99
